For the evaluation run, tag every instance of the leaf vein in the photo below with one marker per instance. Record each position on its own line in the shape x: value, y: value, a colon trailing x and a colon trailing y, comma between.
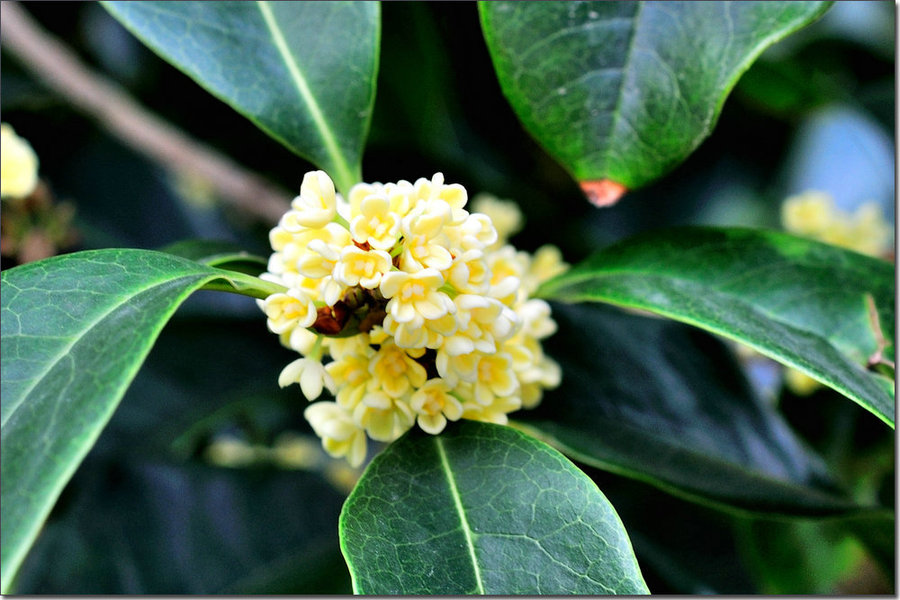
x: 464, y: 522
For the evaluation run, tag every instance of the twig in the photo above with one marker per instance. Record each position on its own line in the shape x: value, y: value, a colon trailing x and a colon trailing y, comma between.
x: 147, y: 133
x: 877, y: 357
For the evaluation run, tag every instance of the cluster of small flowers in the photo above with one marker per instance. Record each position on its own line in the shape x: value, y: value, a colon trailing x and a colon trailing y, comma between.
x: 813, y: 214
x: 421, y: 305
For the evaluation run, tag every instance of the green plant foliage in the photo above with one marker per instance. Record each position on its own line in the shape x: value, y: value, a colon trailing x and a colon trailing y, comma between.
x: 178, y: 545
x: 803, y: 303
x: 303, y: 71
x: 482, y: 509
x: 804, y: 556
x: 625, y: 91
x: 75, y: 329
x: 218, y: 254
x: 147, y: 446
x: 638, y: 389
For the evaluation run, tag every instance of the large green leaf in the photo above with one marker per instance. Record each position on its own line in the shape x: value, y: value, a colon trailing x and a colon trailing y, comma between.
x: 75, y: 330
x: 665, y: 403
x: 302, y: 71
x: 624, y: 91
x: 803, y: 303
x: 482, y: 509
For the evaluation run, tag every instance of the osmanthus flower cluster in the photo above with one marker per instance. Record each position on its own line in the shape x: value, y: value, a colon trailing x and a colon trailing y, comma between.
x: 408, y: 308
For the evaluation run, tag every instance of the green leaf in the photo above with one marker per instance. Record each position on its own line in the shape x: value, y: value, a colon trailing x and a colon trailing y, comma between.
x: 216, y: 253
x: 667, y: 404
x: 75, y: 330
x: 800, y: 302
x: 302, y: 71
x: 624, y: 91
x: 482, y: 509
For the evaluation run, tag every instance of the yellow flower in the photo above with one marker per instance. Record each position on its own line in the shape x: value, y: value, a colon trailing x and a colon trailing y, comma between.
x: 496, y: 378
x: 378, y: 222
x: 870, y: 231
x: 310, y: 374
x: 469, y: 273
x: 384, y: 418
x: 809, y: 213
x: 415, y: 296
x: 424, y: 246
x: 320, y: 249
x: 316, y: 205
x: 351, y: 376
x: 800, y: 383
x: 492, y: 413
x: 814, y: 215
x: 361, y: 267
x: 507, y: 267
x: 434, y: 405
x: 454, y: 195
x: 456, y: 368
x: 18, y: 165
x: 482, y: 322
x: 289, y: 310
x: 504, y: 214
x: 535, y: 317
x: 477, y: 232
x: 546, y: 263
x: 395, y: 370
x: 341, y: 436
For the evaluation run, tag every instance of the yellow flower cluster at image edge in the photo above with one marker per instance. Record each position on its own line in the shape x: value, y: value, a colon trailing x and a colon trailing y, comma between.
x: 813, y: 214
x: 18, y: 165
x: 409, y: 309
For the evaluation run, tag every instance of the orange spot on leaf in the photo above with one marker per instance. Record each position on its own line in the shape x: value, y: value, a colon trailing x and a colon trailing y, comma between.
x: 604, y: 192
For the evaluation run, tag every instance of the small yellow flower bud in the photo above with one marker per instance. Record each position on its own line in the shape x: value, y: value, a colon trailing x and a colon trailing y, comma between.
x: 18, y: 165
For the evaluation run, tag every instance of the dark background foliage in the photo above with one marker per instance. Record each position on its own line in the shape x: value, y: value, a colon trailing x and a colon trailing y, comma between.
x: 147, y: 512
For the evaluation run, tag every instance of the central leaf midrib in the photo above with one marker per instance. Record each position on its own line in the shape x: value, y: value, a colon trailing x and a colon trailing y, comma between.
x: 344, y: 174
x: 849, y: 387
x: 464, y: 522
x: 640, y: 302
x: 616, y: 115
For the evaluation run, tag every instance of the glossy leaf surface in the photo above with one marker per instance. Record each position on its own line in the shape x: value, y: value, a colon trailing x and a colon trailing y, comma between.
x: 482, y: 509
x: 666, y: 404
x: 624, y: 91
x: 302, y: 71
x: 805, y: 304
x: 75, y: 330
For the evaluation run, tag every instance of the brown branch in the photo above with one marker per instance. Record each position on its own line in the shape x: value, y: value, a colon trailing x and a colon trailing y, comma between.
x: 147, y: 133
x: 877, y: 357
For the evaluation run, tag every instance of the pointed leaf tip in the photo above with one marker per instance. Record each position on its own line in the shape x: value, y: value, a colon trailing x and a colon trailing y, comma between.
x: 604, y: 192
